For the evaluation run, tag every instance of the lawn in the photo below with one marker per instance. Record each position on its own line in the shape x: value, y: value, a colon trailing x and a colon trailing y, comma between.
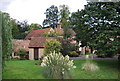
x: 26, y: 69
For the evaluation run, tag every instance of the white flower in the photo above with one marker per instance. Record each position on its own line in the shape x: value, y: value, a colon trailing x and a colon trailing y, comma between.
x: 71, y: 60
x: 70, y: 63
x: 67, y: 57
x: 45, y: 57
x: 43, y: 64
x: 74, y: 66
x: 68, y: 68
x: 44, y: 60
x: 62, y: 72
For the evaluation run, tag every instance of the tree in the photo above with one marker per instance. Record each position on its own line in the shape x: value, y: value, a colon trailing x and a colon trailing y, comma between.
x: 15, y: 29
x: 23, y: 28
x: 52, y: 45
x: 98, y: 30
x: 6, y: 34
x: 51, y: 16
x: 34, y: 26
x: 64, y: 20
x: 51, y: 34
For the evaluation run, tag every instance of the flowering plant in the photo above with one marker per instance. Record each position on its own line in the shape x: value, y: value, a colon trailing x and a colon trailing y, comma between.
x: 57, y: 66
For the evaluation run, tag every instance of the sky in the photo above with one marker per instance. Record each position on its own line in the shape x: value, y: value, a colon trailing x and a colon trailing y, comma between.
x: 33, y: 10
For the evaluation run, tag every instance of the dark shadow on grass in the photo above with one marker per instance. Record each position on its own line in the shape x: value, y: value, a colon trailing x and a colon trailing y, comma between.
x: 113, y: 64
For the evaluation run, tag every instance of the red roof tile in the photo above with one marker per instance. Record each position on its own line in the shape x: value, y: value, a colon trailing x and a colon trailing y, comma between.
x: 37, y: 33
x: 40, y: 41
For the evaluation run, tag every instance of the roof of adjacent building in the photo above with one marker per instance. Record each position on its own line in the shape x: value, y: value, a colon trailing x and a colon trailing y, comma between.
x: 40, y: 41
x: 20, y: 44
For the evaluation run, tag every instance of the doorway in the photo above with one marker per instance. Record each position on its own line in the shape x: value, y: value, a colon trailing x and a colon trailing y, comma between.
x: 36, y: 53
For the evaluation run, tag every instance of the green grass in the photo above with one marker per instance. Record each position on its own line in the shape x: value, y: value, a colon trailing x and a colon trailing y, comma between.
x: 26, y: 69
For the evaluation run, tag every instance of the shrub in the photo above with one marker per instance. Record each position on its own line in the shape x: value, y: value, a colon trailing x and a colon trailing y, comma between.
x: 57, y: 66
x: 22, y: 53
x: 67, y: 47
x: 89, y: 66
x: 101, y: 55
x: 73, y: 54
x: 52, y: 45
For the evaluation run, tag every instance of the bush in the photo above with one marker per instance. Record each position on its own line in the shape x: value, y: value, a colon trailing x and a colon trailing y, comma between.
x: 109, y: 55
x: 90, y: 66
x: 73, y: 54
x: 101, y: 55
x: 52, y: 45
x: 56, y: 66
x: 22, y: 53
x: 67, y: 47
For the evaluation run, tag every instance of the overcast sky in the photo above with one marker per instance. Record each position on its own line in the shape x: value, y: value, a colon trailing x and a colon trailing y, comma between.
x: 33, y: 10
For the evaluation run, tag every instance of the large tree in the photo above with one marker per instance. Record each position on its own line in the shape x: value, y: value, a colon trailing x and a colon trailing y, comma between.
x: 23, y: 28
x: 6, y: 33
x: 51, y: 16
x: 98, y: 26
x: 64, y: 20
x: 15, y: 29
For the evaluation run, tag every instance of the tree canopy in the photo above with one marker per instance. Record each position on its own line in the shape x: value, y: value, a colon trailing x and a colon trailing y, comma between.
x: 51, y: 16
x: 98, y: 26
x: 64, y: 20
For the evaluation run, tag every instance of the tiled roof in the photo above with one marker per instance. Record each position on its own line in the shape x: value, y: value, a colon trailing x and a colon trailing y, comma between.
x: 20, y: 44
x: 37, y: 33
x: 40, y: 41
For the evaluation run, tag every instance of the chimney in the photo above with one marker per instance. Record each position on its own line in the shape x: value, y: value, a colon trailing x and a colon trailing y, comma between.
x: 59, y: 26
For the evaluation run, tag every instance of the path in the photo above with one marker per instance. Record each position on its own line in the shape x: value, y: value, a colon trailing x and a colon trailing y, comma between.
x: 82, y: 57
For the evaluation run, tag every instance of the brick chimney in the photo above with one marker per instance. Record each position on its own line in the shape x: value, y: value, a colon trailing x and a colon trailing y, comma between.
x: 59, y: 26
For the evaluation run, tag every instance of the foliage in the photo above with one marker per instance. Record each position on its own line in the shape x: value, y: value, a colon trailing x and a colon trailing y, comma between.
x: 33, y: 26
x: 19, y: 29
x: 15, y: 29
x: 57, y: 66
x: 51, y: 16
x: 99, y: 30
x: 89, y: 66
x: 52, y: 45
x: 6, y: 35
x: 64, y: 20
x: 22, y: 53
x: 101, y: 55
x: 73, y: 54
x: 67, y: 47
x: 51, y: 34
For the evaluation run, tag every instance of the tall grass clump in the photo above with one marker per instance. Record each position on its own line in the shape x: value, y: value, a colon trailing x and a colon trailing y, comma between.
x: 56, y: 66
x: 90, y: 66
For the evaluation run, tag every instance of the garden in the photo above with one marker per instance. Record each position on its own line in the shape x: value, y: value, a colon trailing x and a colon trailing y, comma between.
x: 100, y: 31
x: 26, y: 69
x: 55, y: 65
